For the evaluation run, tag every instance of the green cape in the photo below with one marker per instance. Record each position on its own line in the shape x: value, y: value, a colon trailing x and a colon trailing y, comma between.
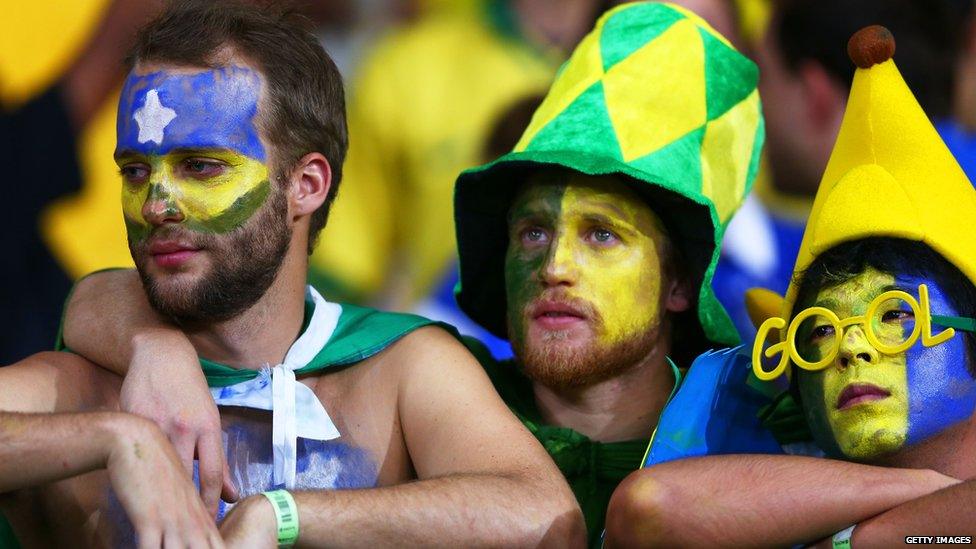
x: 360, y: 333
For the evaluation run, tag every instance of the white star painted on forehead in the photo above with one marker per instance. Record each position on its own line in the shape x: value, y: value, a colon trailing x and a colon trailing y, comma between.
x: 153, y: 118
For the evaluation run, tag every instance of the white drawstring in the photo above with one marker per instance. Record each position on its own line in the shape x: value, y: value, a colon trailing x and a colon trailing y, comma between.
x: 296, y: 410
x: 284, y: 433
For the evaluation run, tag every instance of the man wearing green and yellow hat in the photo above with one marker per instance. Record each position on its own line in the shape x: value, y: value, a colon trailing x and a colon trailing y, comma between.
x: 876, y: 332
x: 591, y: 245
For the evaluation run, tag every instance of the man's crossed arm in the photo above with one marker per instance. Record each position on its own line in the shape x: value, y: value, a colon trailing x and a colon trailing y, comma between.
x: 750, y: 500
x: 108, y: 320
x: 40, y: 443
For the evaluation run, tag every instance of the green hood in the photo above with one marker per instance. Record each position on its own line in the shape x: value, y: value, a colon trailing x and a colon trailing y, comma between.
x: 656, y: 96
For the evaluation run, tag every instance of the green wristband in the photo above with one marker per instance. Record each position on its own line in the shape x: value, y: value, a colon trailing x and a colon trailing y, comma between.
x: 286, y: 514
x: 842, y: 539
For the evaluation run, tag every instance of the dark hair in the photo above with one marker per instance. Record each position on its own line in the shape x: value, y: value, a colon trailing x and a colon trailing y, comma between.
x: 509, y: 126
x: 928, y: 35
x: 306, y: 104
x: 890, y: 255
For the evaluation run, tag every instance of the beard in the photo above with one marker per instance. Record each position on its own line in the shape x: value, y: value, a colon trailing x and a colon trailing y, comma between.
x: 556, y: 362
x: 243, y: 264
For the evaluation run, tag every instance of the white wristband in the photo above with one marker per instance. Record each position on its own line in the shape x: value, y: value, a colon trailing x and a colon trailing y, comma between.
x: 842, y: 539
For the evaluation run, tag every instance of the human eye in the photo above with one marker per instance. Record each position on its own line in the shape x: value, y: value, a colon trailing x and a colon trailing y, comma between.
x: 533, y: 236
x: 896, y: 316
x: 134, y: 173
x: 602, y: 236
x: 821, y: 332
x: 202, y: 168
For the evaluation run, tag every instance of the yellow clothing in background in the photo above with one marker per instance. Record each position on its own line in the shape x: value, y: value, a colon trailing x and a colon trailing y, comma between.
x: 85, y: 232
x: 420, y: 110
x: 753, y: 17
x: 38, y: 42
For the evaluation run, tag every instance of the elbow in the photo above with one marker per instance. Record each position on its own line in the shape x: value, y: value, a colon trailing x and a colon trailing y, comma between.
x: 565, y: 528
x: 640, y: 512
x: 558, y: 521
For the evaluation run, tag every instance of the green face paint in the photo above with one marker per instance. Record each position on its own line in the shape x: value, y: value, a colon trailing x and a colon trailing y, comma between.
x: 873, y: 424
x: 583, y: 265
x: 215, y: 191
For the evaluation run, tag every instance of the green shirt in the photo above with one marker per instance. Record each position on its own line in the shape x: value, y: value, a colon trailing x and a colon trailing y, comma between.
x: 592, y: 469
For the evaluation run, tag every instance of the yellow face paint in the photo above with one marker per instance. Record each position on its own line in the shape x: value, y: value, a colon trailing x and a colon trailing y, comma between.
x: 858, y: 405
x: 590, y: 243
x: 214, y: 190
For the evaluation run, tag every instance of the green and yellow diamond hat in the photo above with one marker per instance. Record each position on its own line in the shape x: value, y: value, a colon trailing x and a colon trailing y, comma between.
x: 655, y: 95
x: 889, y: 174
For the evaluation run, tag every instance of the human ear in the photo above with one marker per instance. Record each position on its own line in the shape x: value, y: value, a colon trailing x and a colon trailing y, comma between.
x: 678, y: 295
x: 824, y: 99
x: 309, y: 184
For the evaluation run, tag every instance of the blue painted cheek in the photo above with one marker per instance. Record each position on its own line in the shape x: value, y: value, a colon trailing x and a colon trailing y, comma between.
x: 941, y: 391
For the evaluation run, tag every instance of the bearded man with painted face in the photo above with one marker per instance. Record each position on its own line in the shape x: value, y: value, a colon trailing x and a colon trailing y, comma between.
x: 370, y: 428
x: 590, y: 246
x: 877, y: 332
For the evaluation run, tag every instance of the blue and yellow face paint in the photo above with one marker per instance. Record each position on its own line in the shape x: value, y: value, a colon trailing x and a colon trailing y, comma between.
x: 893, y: 378
x: 189, y: 149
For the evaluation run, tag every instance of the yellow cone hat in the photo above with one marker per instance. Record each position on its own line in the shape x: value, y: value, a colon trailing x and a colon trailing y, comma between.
x: 889, y: 174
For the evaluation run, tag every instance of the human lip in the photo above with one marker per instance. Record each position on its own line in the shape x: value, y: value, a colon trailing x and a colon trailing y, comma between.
x: 857, y: 393
x: 556, y: 315
x: 170, y: 253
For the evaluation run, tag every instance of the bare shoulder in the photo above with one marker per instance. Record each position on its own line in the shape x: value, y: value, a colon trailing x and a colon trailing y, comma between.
x: 426, y: 351
x: 453, y: 419
x: 431, y: 347
x: 56, y: 382
x: 427, y: 360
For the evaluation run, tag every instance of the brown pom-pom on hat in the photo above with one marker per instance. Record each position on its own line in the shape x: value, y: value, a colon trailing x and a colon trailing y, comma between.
x: 871, y: 46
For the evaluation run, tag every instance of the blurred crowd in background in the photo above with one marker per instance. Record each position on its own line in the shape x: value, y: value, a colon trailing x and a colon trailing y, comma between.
x: 433, y: 87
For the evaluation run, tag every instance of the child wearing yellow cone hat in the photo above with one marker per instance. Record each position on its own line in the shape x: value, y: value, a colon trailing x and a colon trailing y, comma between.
x: 877, y: 330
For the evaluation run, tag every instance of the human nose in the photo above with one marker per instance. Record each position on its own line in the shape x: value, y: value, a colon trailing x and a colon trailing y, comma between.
x: 160, y: 206
x: 855, y: 349
x: 559, y: 267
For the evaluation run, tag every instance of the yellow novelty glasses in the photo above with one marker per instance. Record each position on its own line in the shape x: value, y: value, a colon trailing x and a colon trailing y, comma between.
x: 881, y: 324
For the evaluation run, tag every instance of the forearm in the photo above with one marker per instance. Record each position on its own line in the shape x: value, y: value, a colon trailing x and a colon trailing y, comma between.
x: 109, y: 321
x: 457, y: 510
x: 37, y: 449
x: 748, y: 500
x: 947, y: 512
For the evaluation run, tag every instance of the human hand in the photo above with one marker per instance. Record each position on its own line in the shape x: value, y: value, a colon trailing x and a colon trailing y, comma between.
x: 166, y: 385
x: 251, y: 523
x: 160, y: 501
